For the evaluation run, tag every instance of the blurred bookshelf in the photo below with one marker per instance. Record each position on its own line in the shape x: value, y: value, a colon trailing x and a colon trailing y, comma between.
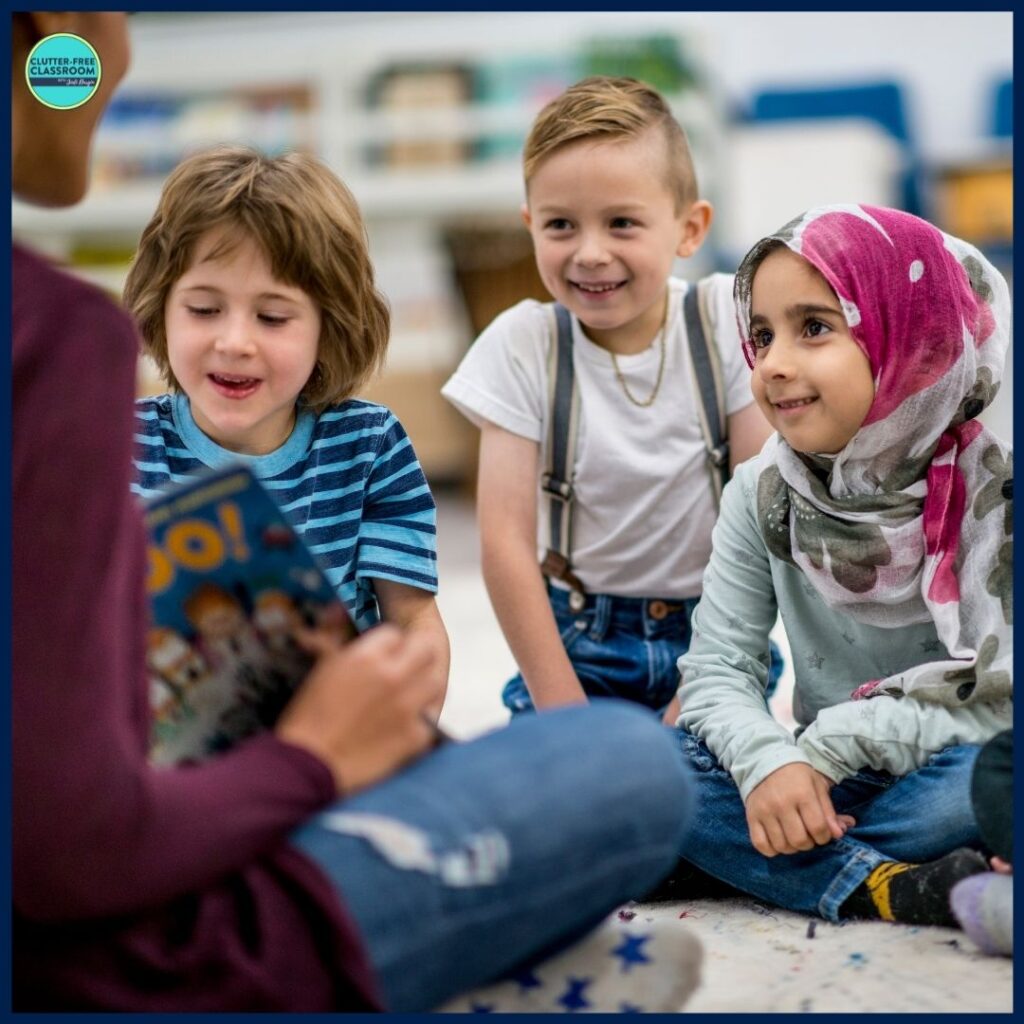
x: 974, y: 200
x: 427, y: 138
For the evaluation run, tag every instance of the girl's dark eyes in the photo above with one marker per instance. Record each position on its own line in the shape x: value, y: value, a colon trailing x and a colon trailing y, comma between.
x: 557, y: 224
x: 762, y: 337
x: 620, y: 223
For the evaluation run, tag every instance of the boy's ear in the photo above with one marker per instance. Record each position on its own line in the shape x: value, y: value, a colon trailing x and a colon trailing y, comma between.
x: 695, y: 222
x: 524, y: 212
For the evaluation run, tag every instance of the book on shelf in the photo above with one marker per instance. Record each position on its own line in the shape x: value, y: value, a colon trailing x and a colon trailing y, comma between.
x: 411, y: 89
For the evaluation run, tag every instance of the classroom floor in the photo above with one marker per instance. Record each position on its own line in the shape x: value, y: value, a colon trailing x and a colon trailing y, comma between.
x: 757, y: 958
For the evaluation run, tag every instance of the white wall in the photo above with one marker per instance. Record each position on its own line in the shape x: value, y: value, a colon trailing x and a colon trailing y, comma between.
x: 948, y: 60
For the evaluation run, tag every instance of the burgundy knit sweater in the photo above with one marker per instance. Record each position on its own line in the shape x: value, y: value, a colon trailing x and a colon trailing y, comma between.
x: 134, y: 888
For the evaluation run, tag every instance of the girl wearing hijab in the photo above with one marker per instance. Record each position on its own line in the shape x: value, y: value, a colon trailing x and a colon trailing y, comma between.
x: 878, y: 521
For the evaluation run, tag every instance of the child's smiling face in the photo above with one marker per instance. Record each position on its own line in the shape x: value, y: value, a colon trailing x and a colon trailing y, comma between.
x: 241, y: 344
x: 606, y: 232
x: 811, y: 378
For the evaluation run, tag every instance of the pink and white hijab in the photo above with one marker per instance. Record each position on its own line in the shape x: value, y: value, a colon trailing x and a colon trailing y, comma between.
x: 913, y: 518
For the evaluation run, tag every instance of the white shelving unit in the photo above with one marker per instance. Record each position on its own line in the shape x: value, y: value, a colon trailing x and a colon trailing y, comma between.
x: 334, y: 57
x: 477, y: 188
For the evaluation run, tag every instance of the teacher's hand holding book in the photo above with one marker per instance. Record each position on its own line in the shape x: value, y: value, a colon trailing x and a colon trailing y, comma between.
x: 361, y: 709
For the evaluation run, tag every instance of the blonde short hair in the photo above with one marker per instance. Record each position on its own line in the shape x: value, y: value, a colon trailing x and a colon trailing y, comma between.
x: 605, y: 108
x: 309, y: 227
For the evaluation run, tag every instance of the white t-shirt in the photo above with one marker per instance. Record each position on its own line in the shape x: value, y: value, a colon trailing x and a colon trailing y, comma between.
x: 644, y: 507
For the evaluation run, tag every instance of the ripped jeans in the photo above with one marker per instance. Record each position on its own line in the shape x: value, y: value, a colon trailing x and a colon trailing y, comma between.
x: 486, y: 856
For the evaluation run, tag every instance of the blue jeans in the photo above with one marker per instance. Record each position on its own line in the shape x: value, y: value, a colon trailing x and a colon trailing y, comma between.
x: 624, y: 647
x: 917, y: 818
x: 485, y: 856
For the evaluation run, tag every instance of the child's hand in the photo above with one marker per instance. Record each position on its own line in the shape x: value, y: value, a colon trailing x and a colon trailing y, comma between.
x: 791, y: 810
x: 362, y: 708
x: 333, y: 628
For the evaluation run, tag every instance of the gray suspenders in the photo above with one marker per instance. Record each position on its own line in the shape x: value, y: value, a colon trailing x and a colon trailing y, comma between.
x: 563, y: 427
x: 708, y: 384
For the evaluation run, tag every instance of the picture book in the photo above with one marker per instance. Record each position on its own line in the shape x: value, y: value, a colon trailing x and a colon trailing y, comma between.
x: 229, y: 580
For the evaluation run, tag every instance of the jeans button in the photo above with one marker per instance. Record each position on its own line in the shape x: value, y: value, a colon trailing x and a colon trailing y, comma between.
x: 577, y: 601
x: 657, y: 610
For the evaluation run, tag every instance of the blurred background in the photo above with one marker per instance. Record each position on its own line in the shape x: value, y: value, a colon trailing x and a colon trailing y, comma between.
x: 423, y: 115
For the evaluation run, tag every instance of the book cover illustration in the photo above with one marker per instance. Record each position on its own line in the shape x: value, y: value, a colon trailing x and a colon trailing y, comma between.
x: 228, y: 580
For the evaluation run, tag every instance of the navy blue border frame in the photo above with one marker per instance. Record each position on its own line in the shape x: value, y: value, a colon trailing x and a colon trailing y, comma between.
x: 5, y: 490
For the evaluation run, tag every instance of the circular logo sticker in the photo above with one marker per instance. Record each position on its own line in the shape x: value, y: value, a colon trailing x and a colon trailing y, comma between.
x: 63, y: 71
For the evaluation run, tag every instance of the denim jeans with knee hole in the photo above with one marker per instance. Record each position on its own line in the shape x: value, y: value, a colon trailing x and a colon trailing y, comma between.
x: 917, y: 818
x: 625, y: 647
x: 484, y: 856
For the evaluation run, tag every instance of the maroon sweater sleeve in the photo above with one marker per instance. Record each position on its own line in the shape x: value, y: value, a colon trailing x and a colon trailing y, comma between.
x: 97, y: 831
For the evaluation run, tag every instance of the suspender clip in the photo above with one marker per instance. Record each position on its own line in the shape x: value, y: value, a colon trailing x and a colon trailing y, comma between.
x: 559, y: 488
x: 719, y: 456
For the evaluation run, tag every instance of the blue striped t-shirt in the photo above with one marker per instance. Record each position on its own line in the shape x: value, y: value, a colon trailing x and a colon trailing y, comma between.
x: 348, y: 480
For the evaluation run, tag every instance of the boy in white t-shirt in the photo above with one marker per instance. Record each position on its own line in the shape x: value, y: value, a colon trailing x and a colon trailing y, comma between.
x: 611, y: 203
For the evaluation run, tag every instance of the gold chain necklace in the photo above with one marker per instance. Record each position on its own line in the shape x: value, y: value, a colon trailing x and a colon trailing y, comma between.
x: 649, y: 401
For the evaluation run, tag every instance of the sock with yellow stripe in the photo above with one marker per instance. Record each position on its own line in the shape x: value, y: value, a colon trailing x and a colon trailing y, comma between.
x: 913, y: 893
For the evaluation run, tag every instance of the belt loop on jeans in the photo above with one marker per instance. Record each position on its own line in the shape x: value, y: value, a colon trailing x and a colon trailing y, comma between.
x: 602, y: 616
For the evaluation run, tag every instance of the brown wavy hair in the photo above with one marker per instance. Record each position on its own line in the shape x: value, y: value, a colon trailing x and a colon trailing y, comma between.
x: 309, y: 227
x: 605, y: 108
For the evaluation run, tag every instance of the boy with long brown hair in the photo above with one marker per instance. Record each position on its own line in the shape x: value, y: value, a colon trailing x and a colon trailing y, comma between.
x: 255, y: 295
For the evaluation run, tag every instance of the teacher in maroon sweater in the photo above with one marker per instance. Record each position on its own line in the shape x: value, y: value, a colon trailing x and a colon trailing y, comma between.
x: 137, y: 888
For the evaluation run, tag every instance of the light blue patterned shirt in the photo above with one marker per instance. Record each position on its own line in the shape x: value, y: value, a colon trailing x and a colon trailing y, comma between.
x: 725, y: 670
